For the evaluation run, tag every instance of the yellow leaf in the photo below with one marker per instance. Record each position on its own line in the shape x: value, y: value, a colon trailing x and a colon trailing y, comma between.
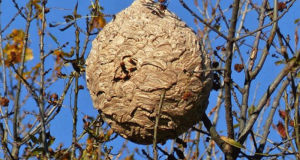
x: 98, y: 22
x: 37, y: 66
x: 36, y: 4
x: 108, y: 134
x: 236, y: 126
x: 25, y: 75
x: 262, y: 154
x: 232, y: 142
x: 131, y: 157
x: 250, y: 110
x: 17, y: 35
x: 40, y: 16
x: 89, y: 141
x: 58, y: 52
x: 13, y: 51
x: 279, y: 62
x: 101, y: 21
x: 28, y: 54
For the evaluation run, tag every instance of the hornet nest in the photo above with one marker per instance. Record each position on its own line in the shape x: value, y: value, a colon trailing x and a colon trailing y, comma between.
x: 145, y: 50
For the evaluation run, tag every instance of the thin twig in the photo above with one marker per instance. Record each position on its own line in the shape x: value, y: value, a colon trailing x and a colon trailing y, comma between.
x: 296, y: 117
x: 270, y: 117
x: 16, y: 146
x: 52, y: 51
x: 30, y: 89
x: 235, y: 98
x: 245, y: 96
x: 266, y: 96
x: 44, y: 143
x: 202, y: 21
x: 84, y: 132
x: 10, y: 22
x: 51, y: 113
x: 4, y: 79
x: 276, y: 145
x: 287, y: 118
x: 157, y: 109
x: 267, y: 25
x: 75, y: 108
x: 75, y: 116
x: 223, y: 17
x: 7, y: 152
x: 200, y: 131
x: 209, y: 70
x: 19, y: 9
x: 262, y: 60
x: 87, y: 36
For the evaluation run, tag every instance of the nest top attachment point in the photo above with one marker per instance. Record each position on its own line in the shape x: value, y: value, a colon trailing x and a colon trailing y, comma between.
x: 145, y: 50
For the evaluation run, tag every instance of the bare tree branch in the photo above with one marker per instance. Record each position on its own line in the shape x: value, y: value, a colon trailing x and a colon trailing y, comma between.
x: 270, y: 117
x: 227, y: 77
x: 266, y: 96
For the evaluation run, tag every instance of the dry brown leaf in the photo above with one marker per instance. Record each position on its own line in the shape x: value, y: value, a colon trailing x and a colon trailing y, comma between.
x: 53, y: 97
x: 281, y: 6
x: 291, y: 123
x: 4, y: 102
x: 223, y: 49
x: 282, y: 114
x: 195, y: 21
x: 29, y: 126
x: 238, y: 67
x: 281, y: 129
x: 196, y: 3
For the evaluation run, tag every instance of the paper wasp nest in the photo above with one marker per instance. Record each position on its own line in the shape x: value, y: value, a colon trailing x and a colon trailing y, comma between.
x: 138, y: 54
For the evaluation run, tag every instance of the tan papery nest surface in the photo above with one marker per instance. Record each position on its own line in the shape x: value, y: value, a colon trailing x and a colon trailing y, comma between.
x: 138, y: 54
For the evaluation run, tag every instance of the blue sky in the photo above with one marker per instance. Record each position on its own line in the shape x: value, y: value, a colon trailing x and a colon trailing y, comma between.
x: 61, y: 125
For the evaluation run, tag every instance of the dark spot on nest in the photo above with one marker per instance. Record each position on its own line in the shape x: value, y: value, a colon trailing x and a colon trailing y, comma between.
x: 99, y: 93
